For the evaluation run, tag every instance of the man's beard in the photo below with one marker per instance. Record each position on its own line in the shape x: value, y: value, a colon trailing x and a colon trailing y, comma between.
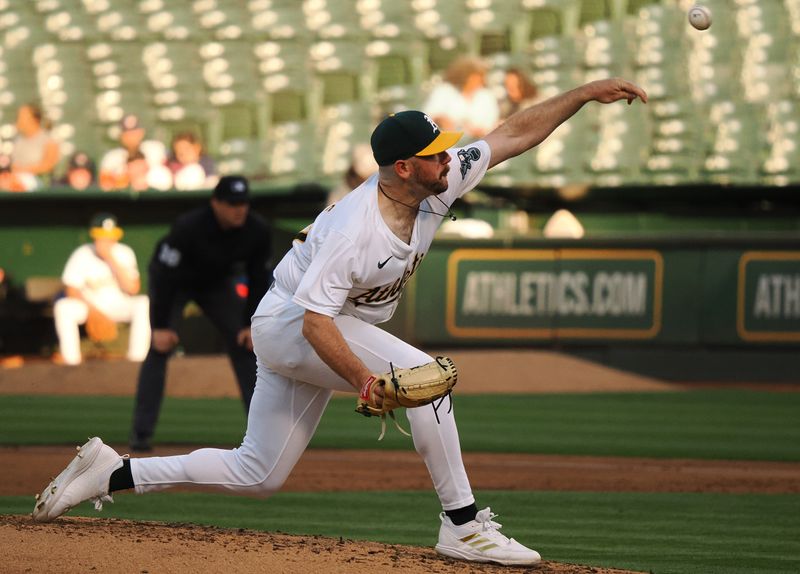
x: 430, y: 185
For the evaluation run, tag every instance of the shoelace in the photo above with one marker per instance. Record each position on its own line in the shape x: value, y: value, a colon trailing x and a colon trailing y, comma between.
x: 98, y: 501
x: 484, y: 517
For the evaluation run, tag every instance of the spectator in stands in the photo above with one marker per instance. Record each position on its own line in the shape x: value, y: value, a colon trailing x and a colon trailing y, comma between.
x: 102, y: 277
x: 35, y: 153
x: 520, y: 92
x: 115, y: 165
x: 563, y: 225
x: 80, y: 173
x: 9, y: 180
x: 218, y: 256
x: 138, y: 169
x: 190, y: 167
x: 462, y: 101
x: 361, y: 167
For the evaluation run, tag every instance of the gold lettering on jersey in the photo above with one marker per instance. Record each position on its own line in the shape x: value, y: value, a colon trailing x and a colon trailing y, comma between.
x: 389, y: 292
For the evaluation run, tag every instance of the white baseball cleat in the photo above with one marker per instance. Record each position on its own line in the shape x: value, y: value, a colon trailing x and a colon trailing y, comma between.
x: 85, y: 478
x: 480, y: 540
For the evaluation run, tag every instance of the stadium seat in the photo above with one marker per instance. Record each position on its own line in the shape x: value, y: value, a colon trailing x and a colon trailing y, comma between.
x: 242, y: 156
x: 396, y: 69
x: 621, y: 144
x: 292, y: 72
x: 551, y: 17
x: 287, y: 152
x: 782, y: 163
x: 735, y: 145
x: 340, y: 67
x: 223, y: 19
x: 340, y: 129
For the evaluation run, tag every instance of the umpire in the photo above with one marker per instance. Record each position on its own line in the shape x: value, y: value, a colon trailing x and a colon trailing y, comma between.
x: 204, y: 258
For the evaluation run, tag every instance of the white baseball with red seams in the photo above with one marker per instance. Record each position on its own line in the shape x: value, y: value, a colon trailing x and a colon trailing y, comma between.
x: 700, y: 17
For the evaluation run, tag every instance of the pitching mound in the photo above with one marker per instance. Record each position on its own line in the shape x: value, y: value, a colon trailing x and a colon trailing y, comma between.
x: 78, y: 545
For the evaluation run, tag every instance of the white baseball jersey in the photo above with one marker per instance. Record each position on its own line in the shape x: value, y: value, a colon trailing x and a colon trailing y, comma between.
x: 351, y: 263
x: 91, y: 275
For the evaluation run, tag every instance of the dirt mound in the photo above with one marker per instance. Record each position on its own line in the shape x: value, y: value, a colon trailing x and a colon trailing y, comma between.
x: 73, y: 545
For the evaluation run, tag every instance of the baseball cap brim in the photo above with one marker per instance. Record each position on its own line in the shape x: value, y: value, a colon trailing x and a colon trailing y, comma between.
x: 102, y: 233
x: 444, y: 141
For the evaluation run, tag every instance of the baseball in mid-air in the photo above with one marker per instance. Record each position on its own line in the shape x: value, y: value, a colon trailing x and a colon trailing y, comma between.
x: 700, y: 17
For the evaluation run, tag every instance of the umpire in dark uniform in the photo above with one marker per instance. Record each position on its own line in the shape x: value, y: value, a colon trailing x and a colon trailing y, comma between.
x: 203, y: 258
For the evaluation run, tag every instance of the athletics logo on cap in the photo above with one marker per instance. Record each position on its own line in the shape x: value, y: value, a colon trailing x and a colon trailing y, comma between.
x: 409, y: 133
x: 105, y: 226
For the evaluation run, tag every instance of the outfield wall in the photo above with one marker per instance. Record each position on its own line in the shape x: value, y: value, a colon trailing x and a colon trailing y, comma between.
x: 687, y: 289
x: 692, y: 291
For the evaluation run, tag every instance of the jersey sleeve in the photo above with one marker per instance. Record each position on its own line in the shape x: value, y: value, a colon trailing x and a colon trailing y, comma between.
x: 165, y: 271
x: 126, y: 257
x: 73, y: 275
x: 329, y: 277
x: 467, y: 168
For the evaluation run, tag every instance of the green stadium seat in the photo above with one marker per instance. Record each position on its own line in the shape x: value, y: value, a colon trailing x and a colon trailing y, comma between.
x: 340, y: 129
x: 495, y: 27
x: 561, y: 158
x: 621, y: 144
x: 440, y: 25
x: 223, y: 19
x: 340, y: 67
x: 289, y: 71
x: 781, y: 165
x: 396, y: 69
x: 594, y: 10
x: 166, y: 21
x: 61, y: 72
x: 272, y: 21
x: 386, y: 19
x: 288, y: 150
x: 733, y: 150
x: 552, y: 17
x: 605, y: 47
x: 242, y: 156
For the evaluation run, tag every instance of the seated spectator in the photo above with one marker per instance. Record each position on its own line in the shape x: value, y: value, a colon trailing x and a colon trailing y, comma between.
x: 521, y: 92
x: 10, y: 181
x: 563, y: 225
x: 102, y: 277
x: 463, y: 102
x: 80, y: 172
x: 190, y: 167
x: 35, y: 152
x: 137, y: 171
x: 114, y: 166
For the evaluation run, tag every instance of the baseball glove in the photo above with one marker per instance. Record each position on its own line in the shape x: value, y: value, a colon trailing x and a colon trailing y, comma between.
x: 99, y: 328
x: 412, y: 387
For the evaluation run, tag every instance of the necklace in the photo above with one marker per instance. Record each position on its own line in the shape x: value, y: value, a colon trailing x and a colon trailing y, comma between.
x: 449, y: 213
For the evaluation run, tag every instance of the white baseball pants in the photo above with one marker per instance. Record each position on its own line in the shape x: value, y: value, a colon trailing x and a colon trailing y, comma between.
x: 292, y: 389
x: 71, y: 313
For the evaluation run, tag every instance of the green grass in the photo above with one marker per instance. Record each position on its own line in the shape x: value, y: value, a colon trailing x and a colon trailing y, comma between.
x: 662, y: 533
x: 712, y: 424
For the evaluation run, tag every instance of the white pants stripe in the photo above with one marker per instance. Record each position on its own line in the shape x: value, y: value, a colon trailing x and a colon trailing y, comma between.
x: 292, y: 390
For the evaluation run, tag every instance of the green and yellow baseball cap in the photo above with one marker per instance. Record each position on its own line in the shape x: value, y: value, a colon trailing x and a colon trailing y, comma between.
x: 409, y: 133
x: 104, y: 226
